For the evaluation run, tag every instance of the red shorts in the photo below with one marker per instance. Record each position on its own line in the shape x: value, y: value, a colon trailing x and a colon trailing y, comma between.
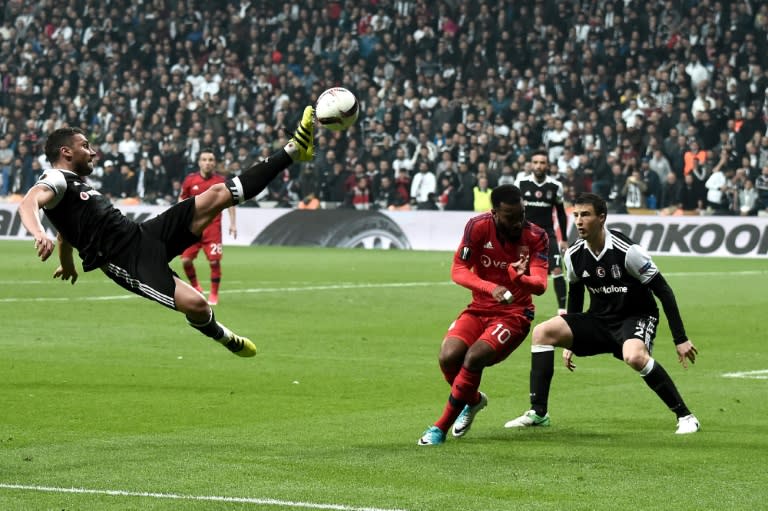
x: 210, y: 242
x: 503, y: 333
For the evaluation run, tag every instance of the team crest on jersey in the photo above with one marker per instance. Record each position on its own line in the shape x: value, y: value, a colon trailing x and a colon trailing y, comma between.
x: 615, y: 271
x: 600, y: 271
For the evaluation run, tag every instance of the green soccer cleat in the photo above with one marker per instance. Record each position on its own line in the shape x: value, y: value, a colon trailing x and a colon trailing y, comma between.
x: 464, y: 420
x: 432, y: 436
x: 527, y: 420
x: 301, y: 147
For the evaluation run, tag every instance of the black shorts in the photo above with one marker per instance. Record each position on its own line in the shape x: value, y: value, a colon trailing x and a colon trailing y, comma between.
x: 142, y: 266
x: 593, y: 335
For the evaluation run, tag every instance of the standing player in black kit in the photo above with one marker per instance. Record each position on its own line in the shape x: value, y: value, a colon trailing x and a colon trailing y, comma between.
x: 541, y: 193
x: 134, y: 255
x: 622, y: 280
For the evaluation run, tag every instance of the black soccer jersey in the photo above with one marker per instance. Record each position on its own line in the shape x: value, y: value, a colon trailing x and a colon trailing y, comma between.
x: 86, y: 219
x: 539, y: 199
x: 616, y: 278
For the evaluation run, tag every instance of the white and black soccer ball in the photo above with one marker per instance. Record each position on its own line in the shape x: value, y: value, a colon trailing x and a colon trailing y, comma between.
x: 337, y: 109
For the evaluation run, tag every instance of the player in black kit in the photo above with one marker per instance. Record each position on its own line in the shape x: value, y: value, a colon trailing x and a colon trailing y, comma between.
x: 136, y: 255
x: 541, y: 193
x: 622, y: 318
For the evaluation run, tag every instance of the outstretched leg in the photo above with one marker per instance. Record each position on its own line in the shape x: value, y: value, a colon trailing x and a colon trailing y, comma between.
x: 256, y: 178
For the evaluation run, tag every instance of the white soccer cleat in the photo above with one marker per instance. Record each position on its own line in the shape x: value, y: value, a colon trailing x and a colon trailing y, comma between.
x: 687, y: 425
x: 528, y: 420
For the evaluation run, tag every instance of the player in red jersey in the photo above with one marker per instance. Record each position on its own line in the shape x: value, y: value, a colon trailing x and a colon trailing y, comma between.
x: 503, y: 260
x: 195, y: 184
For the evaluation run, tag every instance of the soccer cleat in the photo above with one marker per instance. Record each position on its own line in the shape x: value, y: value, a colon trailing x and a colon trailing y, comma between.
x: 301, y: 146
x: 688, y: 424
x: 464, y: 420
x: 527, y: 420
x: 213, y: 299
x: 432, y: 436
x: 240, y: 346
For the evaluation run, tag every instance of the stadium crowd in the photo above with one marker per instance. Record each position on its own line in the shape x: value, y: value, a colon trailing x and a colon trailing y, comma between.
x: 655, y: 105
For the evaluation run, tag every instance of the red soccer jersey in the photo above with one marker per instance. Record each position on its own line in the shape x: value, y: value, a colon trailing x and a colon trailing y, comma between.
x: 195, y: 184
x: 483, y: 262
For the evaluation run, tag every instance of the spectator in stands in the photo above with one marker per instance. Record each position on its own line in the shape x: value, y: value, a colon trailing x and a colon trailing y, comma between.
x: 359, y: 197
x: 6, y: 166
x: 718, y: 200
x: 747, y: 197
x: 761, y: 185
x: 670, y: 195
x: 424, y: 183
x: 482, y: 195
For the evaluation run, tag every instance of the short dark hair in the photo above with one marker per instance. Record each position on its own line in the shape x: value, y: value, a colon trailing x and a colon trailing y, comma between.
x: 508, y: 194
x: 597, y: 202
x: 539, y: 152
x: 59, y: 138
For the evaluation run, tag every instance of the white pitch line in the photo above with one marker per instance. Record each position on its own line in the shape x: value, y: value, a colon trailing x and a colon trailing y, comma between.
x: 761, y: 374
x: 329, y: 287
x: 207, y: 498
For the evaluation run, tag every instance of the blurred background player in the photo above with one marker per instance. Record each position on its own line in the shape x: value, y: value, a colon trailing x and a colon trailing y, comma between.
x: 541, y: 193
x: 211, y: 243
x: 502, y: 259
x: 622, y: 318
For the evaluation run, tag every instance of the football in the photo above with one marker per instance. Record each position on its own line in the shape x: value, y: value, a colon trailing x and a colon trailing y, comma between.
x: 337, y: 109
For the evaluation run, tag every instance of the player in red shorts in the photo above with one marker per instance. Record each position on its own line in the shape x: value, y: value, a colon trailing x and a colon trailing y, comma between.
x: 195, y: 184
x: 503, y: 260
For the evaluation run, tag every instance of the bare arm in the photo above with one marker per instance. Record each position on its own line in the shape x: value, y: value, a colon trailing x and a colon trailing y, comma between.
x: 232, y: 221
x: 29, y: 211
x: 66, y: 269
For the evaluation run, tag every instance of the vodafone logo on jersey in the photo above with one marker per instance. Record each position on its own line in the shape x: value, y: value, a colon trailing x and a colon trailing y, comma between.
x: 490, y: 263
x: 84, y: 195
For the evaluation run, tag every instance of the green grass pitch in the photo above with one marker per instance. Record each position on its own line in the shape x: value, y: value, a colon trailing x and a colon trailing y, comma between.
x: 111, y: 402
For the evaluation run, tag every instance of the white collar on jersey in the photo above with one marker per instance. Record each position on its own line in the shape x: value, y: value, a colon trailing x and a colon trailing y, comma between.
x: 608, y: 245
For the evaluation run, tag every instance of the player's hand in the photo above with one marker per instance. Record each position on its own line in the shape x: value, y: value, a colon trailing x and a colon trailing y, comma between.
x: 44, y: 246
x: 521, y: 266
x: 563, y: 246
x: 685, y: 352
x: 66, y: 273
x: 502, y: 295
x: 568, y: 360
